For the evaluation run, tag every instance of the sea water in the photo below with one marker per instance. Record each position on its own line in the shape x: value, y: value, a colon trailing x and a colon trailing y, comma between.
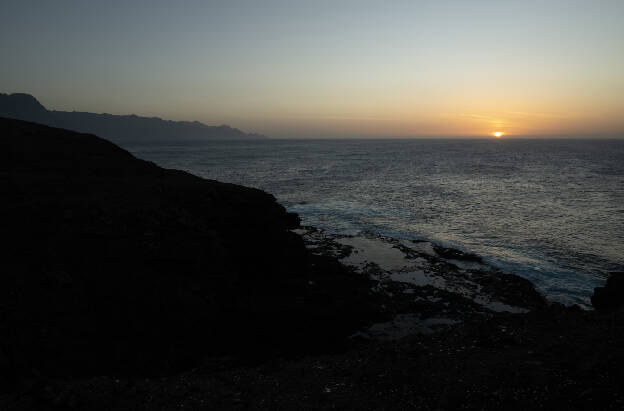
x: 551, y: 211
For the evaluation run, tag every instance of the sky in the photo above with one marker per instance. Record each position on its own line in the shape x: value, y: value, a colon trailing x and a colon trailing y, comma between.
x: 328, y: 68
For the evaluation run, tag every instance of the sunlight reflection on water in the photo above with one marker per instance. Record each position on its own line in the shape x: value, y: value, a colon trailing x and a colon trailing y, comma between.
x: 549, y: 210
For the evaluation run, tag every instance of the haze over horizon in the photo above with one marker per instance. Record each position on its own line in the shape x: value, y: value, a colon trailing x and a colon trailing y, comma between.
x: 328, y: 69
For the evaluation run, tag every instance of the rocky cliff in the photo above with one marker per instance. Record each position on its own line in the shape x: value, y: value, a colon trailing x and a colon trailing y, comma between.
x: 113, y: 264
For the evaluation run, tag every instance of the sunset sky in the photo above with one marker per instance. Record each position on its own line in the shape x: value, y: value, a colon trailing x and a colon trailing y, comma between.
x: 328, y: 68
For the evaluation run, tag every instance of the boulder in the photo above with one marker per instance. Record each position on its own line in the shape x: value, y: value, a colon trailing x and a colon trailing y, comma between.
x: 611, y: 296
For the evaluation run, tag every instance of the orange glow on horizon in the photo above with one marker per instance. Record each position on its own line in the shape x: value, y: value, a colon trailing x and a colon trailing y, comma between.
x: 498, y: 134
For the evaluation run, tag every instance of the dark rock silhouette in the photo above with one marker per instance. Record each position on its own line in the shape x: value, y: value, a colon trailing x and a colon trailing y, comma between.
x: 20, y: 105
x: 114, y: 265
x: 454, y: 254
x: 116, y: 128
x: 611, y: 296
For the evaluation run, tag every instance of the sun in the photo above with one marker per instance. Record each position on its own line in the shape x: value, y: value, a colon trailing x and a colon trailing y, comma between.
x: 498, y: 134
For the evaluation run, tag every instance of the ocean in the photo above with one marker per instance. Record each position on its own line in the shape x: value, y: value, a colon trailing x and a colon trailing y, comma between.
x: 551, y: 211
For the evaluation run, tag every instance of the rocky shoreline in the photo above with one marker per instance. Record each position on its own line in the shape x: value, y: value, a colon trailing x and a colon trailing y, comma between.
x: 128, y: 286
x: 422, y: 286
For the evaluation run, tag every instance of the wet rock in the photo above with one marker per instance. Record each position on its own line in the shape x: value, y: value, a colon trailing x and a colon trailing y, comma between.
x: 454, y: 254
x: 611, y: 296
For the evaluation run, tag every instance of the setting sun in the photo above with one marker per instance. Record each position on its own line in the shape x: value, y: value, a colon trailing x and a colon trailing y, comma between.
x: 498, y: 134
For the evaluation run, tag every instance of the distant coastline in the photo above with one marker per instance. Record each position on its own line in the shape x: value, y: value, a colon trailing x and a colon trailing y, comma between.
x: 120, y: 129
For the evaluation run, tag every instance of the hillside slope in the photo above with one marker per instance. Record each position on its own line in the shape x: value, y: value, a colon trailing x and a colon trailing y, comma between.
x: 114, y: 264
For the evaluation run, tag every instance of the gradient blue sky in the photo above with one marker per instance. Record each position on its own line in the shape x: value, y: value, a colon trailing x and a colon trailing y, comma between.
x: 327, y: 68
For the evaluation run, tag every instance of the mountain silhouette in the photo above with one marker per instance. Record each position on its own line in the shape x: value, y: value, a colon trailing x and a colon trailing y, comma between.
x: 121, y: 129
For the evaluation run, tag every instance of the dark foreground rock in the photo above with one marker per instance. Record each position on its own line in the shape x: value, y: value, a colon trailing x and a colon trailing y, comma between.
x: 559, y: 358
x: 126, y: 286
x: 113, y: 265
x: 611, y: 296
